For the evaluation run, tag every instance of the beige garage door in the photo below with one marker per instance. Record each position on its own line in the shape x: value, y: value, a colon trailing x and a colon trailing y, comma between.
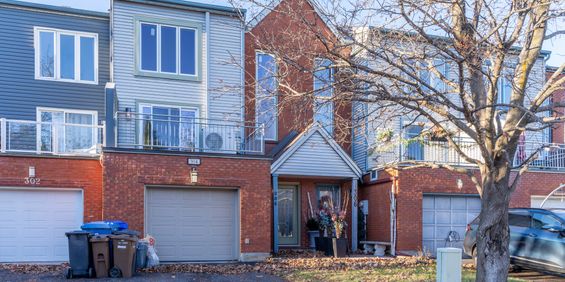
x: 193, y: 224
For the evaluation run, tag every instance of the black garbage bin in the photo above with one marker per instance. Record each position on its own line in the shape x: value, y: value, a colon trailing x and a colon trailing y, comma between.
x: 80, y: 257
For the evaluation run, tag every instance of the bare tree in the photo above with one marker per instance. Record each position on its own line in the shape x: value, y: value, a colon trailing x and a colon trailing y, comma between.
x: 471, y: 69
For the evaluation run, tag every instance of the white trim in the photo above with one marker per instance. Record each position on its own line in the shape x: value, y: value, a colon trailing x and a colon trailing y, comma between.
x: 276, y: 104
x: 376, y: 176
x: 303, y: 137
x: 56, y: 54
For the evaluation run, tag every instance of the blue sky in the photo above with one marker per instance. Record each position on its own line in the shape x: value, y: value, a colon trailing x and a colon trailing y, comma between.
x: 556, y: 45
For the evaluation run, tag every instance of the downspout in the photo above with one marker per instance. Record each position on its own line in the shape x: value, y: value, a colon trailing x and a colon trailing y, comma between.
x: 393, y: 216
x: 207, y: 80
x: 111, y: 30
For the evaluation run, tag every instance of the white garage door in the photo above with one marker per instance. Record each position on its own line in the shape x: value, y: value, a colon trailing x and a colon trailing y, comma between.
x: 553, y: 202
x: 193, y: 224
x: 33, y: 224
x: 443, y: 214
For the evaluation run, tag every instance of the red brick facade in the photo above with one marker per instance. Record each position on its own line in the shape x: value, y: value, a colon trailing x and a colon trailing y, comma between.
x: 411, y: 186
x: 127, y: 174
x: 60, y: 173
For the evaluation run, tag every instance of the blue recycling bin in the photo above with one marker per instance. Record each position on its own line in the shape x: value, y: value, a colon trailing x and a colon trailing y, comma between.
x: 104, y: 227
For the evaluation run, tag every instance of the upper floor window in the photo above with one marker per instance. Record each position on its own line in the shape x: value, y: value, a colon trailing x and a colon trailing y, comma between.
x: 323, y: 94
x: 67, y: 131
x: 429, y: 76
x: 168, y: 49
x: 266, y: 94
x: 66, y: 55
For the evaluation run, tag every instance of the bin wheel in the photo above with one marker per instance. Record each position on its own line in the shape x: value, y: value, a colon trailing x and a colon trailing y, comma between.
x: 69, y: 273
x: 115, y: 272
x: 90, y: 272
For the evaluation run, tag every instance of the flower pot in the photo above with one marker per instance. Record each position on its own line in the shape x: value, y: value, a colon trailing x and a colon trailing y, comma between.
x: 339, y: 247
x: 312, y: 235
x: 320, y: 244
x: 328, y: 251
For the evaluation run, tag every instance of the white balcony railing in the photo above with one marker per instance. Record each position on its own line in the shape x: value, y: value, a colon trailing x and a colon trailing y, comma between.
x: 25, y: 136
x: 550, y: 155
x: 188, y: 134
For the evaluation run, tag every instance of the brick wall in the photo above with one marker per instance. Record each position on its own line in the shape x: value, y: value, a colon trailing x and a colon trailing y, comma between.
x: 414, y: 183
x: 127, y: 174
x: 298, y: 42
x: 378, y: 220
x: 85, y: 174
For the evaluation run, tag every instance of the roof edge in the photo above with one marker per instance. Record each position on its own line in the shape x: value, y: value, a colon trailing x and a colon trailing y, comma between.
x: 53, y: 8
x: 193, y: 6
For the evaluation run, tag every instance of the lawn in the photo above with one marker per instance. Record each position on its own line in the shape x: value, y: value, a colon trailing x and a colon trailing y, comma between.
x: 420, y: 273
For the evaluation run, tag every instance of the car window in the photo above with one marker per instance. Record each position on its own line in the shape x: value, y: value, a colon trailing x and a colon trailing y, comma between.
x: 539, y: 220
x: 560, y: 213
x: 519, y: 219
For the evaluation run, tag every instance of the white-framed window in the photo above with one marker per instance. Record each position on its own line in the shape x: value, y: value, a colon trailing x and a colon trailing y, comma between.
x: 266, y: 93
x: 166, y: 126
x: 67, y: 130
x: 167, y: 49
x: 65, y: 55
x: 374, y: 175
x: 323, y: 93
x: 431, y: 78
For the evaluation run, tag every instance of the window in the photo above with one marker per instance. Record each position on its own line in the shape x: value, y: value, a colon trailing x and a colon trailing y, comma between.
x: 432, y: 79
x: 374, y: 175
x: 329, y: 196
x: 519, y: 219
x: 168, y: 49
x: 266, y: 94
x: 67, y: 131
x: 66, y: 55
x: 540, y: 221
x: 168, y: 127
x: 504, y: 92
x: 323, y: 93
x: 414, y: 148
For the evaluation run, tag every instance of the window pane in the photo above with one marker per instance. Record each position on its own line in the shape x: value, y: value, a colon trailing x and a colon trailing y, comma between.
x: 329, y: 196
x: 67, y: 60
x: 46, y: 54
x: 87, y: 58
x: 266, y: 94
x: 75, y: 118
x: 168, y: 49
x: 188, y: 51
x: 148, y: 47
x: 78, y: 138
x: 323, y: 105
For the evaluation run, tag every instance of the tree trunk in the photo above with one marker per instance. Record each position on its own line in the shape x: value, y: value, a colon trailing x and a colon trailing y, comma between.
x: 493, y: 237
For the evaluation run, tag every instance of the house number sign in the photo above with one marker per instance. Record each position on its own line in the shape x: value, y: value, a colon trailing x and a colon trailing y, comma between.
x: 32, y: 181
x: 193, y: 161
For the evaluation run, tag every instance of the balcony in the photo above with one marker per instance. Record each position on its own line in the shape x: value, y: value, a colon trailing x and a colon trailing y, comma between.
x: 182, y: 132
x: 54, y: 138
x: 551, y: 156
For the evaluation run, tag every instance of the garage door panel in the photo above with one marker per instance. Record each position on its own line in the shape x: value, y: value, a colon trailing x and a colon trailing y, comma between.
x: 38, y: 220
x: 200, y: 227
x: 449, y: 213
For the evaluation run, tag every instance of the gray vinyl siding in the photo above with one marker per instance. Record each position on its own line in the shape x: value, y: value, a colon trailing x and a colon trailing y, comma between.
x: 316, y: 158
x: 214, y: 102
x: 360, y: 142
x: 20, y: 92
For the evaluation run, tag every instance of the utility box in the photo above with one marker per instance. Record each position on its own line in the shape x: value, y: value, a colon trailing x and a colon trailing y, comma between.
x: 448, y: 265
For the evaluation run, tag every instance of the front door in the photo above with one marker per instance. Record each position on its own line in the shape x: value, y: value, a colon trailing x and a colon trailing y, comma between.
x: 289, y: 228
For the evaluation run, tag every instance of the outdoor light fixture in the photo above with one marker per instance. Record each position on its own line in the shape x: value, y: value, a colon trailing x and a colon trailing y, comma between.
x: 459, y: 183
x: 193, y: 175
x: 31, y: 172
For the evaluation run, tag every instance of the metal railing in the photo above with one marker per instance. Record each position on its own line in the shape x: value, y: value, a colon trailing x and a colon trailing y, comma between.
x: 550, y: 156
x: 188, y: 134
x: 26, y: 136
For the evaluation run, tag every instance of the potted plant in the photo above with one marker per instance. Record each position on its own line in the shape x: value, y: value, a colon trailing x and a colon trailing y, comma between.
x: 313, y: 228
x: 323, y: 241
x: 339, y: 243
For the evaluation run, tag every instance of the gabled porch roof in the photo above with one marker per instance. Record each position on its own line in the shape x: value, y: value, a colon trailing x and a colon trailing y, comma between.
x: 315, y: 153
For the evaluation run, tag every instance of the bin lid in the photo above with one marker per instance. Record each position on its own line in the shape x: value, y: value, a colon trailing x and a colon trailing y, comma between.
x: 76, y: 232
x: 123, y: 237
x: 99, y: 239
x: 96, y: 225
x: 127, y: 232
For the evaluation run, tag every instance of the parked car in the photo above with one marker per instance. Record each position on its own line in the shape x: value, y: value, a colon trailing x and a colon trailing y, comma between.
x: 537, y: 239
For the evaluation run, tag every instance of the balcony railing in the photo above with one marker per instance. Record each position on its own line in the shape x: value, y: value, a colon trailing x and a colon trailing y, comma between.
x: 550, y: 155
x: 25, y: 136
x: 188, y: 134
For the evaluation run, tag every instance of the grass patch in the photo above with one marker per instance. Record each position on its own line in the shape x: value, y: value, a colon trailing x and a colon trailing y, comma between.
x: 419, y: 273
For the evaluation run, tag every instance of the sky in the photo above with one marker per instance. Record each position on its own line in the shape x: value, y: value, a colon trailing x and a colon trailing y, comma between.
x: 555, y: 45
